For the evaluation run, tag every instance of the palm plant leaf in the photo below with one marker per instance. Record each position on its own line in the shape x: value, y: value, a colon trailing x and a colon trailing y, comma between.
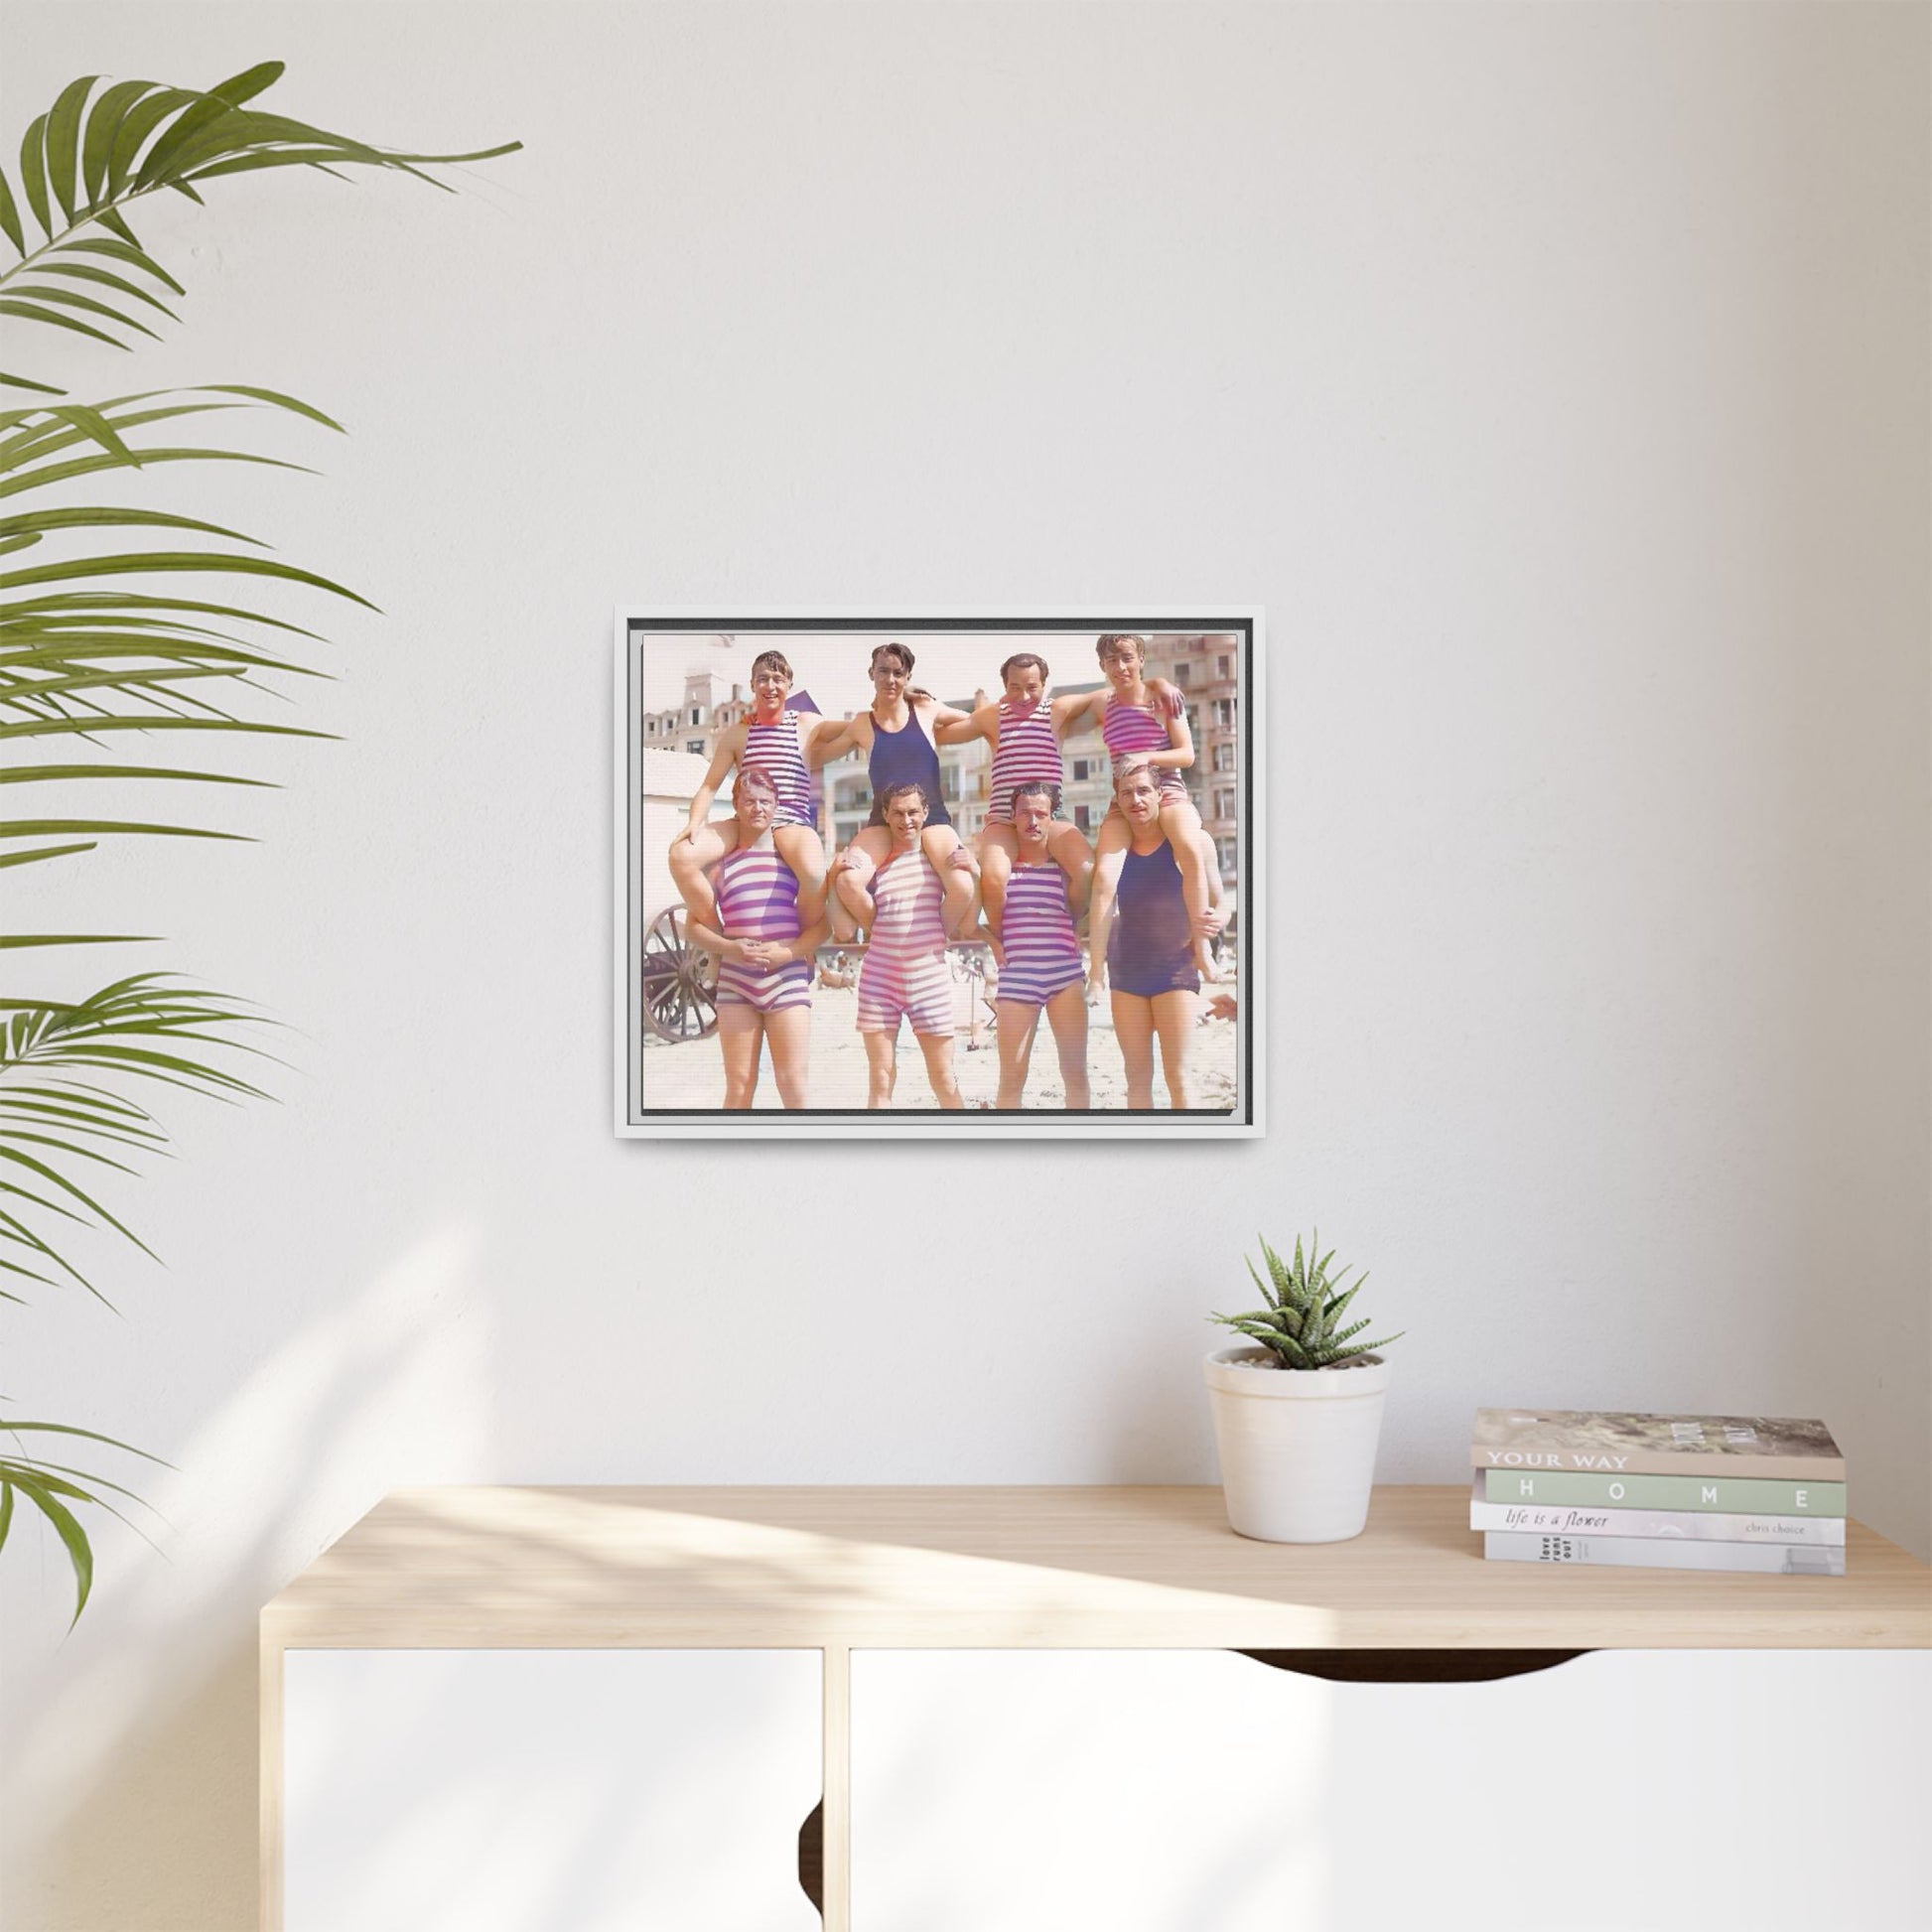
x: 37, y: 523
x: 92, y: 156
x: 85, y: 654
x: 82, y: 657
x: 145, y: 1027
x: 85, y: 659
x: 51, y: 1487
x: 40, y: 1489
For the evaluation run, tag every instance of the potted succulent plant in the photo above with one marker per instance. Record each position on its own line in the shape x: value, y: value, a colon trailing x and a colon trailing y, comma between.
x: 1296, y: 1416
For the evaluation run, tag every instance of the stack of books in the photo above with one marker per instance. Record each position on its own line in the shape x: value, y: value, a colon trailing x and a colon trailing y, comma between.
x: 1662, y: 1492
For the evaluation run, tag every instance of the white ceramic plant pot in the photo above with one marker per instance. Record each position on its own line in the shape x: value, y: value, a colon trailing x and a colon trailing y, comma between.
x: 1298, y: 1446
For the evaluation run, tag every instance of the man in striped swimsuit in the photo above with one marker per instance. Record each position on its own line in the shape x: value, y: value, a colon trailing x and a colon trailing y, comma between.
x: 786, y: 746
x: 1139, y: 724
x: 1024, y: 730
x: 765, y: 951
x: 904, y: 975
x: 1041, y: 966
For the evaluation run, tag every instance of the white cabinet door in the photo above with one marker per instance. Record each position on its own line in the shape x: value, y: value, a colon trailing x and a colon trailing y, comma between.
x: 534, y: 1790
x: 1200, y: 1791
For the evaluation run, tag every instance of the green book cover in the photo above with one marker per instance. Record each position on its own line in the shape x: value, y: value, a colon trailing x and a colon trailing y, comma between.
x: 1757, y: 1495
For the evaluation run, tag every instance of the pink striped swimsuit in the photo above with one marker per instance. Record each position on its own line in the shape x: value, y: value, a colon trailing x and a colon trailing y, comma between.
x: 1029, y: 752
x: 904, y: 974
x: 1036, y: 934
x: 757, y: 899
x: 779, y: 749
x: 1126, y: 729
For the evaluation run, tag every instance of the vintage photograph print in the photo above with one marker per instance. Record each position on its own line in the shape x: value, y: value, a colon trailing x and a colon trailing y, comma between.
x: 938, y: 873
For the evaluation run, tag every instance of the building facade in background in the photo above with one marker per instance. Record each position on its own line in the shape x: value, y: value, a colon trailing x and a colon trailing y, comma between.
x: 1206, y: 667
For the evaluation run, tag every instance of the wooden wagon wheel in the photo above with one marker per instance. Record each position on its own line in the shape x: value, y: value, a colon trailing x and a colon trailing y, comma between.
x: 680, y: 981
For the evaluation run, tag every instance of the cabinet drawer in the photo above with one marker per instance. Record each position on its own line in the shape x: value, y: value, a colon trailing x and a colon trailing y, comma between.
x: 528, y: 1790
x: 1201, y: 1791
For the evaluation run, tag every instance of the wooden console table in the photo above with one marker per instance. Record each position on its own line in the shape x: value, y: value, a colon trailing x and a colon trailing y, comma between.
x: 836, y: 1570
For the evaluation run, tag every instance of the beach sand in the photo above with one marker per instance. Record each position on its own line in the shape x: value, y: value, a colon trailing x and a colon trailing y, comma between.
x: 691, y: 1073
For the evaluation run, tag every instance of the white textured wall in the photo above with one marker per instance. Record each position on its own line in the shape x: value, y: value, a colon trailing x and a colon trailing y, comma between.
x: 1555, y: 378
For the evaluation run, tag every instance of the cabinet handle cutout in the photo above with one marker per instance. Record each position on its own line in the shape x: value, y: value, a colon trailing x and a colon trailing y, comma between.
x: 811, y: 1856
x: 1413, y: 1666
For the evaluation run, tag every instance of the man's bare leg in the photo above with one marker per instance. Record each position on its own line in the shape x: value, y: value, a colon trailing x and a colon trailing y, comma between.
x: 937, y: 1049
x: 1174, y: 1023
x: 1193, y: 853
x: 741, y: 1031
x: 958, y: 871
x: 1109, y: 860
x: 691, y: 863
x: 1066, y: 845
x: 852, y: 883
x: 801, y: 848
x: 1018, y: 1024
x: 881, y: 1067
x: 1066, y: 1013
x: 789, y: 1034
x: 1134, y: 1029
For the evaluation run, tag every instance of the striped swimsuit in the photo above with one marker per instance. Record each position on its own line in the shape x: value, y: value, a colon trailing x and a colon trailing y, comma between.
x: 1036, y: 933
x: 779, y: 749
x: 1029, y: 752
x: 904, y: 974
x: 757, y: 899
x: 1126, y: 729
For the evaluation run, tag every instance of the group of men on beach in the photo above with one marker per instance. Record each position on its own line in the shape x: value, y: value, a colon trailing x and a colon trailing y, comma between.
x: 761, y: 896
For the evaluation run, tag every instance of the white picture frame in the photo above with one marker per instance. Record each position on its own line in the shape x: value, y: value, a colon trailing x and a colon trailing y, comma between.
x: 667, y: 1066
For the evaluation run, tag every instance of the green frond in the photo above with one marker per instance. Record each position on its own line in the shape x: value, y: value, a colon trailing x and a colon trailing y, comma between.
x: 33, y: 174
x: 38, y: 1491
x: 41, y: 854
x: 82, y: 167
x: 53, y: 1488
x: 81, y: 659
x: 66, y: 774
x: 203, y: 562
x: 103, y: 122
x: 10, y: 215
x: 73, y: 299
x: 23, y: 828
x: 23, y: 311
x: 106, y: 278
x: 121, y: 251
x: 13, y: 1426
x: 40, y: 1160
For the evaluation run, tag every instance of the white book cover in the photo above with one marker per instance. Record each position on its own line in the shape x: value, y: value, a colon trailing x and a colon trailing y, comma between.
x: 1647, y: 1553
x: 1667, y: 1525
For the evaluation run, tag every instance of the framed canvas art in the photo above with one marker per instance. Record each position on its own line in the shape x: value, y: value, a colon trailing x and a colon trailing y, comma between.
x: 938, y: 873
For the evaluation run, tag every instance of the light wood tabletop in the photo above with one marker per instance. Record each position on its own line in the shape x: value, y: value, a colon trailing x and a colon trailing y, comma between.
x: 839, y: 1569
x: 850, y: 1568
